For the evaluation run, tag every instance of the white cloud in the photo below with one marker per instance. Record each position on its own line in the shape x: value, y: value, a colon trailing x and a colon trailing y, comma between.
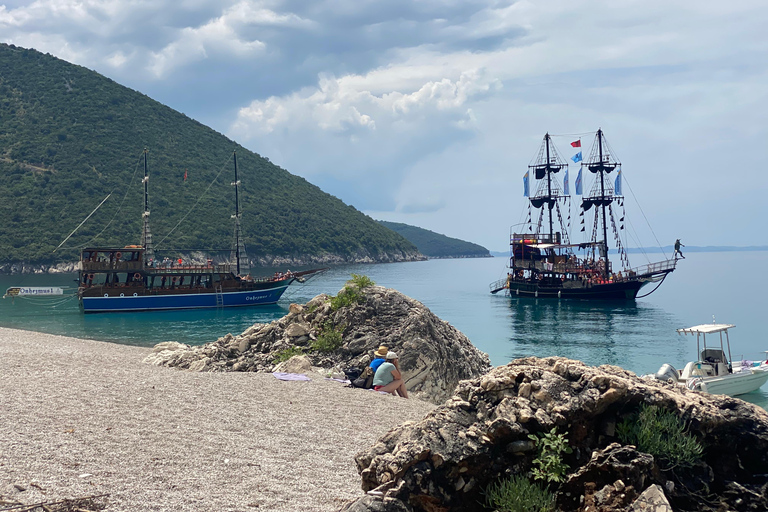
x: 428, y: 112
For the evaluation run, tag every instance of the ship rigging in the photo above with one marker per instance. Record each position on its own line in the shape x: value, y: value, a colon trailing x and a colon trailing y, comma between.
x: 543, y: 261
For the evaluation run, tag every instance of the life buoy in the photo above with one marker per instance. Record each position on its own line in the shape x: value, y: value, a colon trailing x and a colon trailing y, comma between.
x: 122, y: 295
x: 118, y: 255
x: 106, y: 295
x: 90, y: 276
x: 174, y: 278
x: 136, y: 276
x: 135, y: 294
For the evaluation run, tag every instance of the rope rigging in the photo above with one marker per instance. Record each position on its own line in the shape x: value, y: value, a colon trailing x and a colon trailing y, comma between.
x: 196, y: 202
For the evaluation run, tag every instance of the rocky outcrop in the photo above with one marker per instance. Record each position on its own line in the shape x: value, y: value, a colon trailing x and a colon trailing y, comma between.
x: 434, y: 356
x: 479, y: 436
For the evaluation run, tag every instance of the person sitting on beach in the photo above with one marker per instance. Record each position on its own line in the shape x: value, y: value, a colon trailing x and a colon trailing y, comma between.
x: 379, y: 356
x: 388, y: 377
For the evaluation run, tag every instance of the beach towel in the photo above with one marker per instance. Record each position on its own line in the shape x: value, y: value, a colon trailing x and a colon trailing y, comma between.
x: 290, y: 376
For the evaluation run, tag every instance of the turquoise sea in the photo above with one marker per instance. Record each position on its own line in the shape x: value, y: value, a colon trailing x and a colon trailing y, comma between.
x: 638, y: 336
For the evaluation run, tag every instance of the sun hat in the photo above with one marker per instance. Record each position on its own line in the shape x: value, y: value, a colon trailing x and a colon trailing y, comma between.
x: 381, y: 351
x: 391, y: 355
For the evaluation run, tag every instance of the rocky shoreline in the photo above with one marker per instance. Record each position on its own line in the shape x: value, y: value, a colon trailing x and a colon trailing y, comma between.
x: 217, y: 431
x: 483, y: 435
x: 434, y: 355
x: 298, y: 260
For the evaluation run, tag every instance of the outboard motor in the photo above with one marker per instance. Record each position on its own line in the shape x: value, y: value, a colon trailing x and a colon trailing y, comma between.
x: 667, y: 373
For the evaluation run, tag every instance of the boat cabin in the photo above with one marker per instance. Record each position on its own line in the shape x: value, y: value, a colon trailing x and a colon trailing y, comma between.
x: 712, y: 361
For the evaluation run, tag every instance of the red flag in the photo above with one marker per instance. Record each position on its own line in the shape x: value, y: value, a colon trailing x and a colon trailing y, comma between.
x: 576, y: 143
x: 185, y: 175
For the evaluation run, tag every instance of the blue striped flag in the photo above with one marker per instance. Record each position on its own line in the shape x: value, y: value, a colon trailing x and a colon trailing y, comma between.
x: 617, y: 185
x: 566, y: 189
x: 578, y: 184
x: 525, y: 185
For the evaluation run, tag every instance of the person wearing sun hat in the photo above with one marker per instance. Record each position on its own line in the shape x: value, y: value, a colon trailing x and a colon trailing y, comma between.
x: 388, y: 377
x: 379, y: 356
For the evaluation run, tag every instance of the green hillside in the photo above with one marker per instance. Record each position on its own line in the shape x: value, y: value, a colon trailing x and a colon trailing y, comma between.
x: 435, y: 245
x: 69, y: 137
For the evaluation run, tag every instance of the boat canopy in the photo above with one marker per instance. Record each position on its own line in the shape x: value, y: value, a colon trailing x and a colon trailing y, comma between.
x: 706, y: 329
x: 535, y: 245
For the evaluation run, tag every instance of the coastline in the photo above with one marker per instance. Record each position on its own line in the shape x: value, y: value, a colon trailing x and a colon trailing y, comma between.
x: 83, y: 417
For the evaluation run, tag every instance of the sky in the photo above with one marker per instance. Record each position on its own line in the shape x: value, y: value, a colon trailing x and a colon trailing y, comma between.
x: 429, y: 112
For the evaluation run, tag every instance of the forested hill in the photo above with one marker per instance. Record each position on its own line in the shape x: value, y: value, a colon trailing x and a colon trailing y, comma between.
x: 69, y: 137
x: 435, y: 245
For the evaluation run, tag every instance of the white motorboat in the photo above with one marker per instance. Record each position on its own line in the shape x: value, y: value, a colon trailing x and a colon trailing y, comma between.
x: 715, y: 371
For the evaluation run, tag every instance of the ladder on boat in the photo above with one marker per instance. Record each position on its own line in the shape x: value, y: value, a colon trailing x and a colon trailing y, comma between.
x: 219, y: 297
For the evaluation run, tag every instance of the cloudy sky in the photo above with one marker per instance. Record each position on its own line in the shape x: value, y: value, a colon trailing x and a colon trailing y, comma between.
x: 428, y: 112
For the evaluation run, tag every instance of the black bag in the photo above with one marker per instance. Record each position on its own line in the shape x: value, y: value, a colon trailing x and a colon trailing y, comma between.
x: 365, y: 379
x: 353, y: 373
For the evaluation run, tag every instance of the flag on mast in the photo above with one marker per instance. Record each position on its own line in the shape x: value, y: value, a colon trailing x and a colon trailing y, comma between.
x: 576, y: 143
x: 617, y: 184
x: 578, y: 183
x: 577, y: 157
x: 566, y: 189
x: 525, y: 185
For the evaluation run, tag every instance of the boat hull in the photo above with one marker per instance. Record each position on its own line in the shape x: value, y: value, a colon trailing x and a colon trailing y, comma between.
x: 734, y: 384
x: 159, y: 302
x: 621, y: 290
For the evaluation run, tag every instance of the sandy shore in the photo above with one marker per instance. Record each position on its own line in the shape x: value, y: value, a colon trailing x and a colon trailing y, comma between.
x: 81, y: 417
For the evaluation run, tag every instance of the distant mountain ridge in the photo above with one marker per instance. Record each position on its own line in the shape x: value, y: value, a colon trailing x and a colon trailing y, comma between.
x: 69, y: 137
x: 435, y: 245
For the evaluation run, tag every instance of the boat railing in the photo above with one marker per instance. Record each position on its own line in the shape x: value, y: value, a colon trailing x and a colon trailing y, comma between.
x: 191, y: 269
x: 499, y: 285
x: 89, y: 266
x: 579, y: 267
x: 529, y: 239
x: 655, y: 268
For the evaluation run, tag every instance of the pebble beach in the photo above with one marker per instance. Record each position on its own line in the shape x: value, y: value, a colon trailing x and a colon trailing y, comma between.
x: 81, y: 417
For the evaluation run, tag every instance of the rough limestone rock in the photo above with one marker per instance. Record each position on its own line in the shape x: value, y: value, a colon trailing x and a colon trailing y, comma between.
x: 434, y: 356
x: 479, y: 436
x: 296, y: 364
x: 652, y: 500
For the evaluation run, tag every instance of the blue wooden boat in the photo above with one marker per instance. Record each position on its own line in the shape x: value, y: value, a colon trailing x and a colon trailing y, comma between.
x: 130, y: 279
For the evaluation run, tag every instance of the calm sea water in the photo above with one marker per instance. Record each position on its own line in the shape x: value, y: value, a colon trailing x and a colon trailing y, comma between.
x: 638, y: 336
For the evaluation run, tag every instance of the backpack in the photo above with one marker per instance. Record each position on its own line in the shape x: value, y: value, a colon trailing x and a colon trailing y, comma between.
x: 364, y: 379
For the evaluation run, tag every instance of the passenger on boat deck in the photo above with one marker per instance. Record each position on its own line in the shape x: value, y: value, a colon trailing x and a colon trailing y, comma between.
x: 379, y: 357
x: 388, y: 377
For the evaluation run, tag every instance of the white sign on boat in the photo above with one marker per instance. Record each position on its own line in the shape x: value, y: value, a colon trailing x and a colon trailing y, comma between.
x: 21, y: 291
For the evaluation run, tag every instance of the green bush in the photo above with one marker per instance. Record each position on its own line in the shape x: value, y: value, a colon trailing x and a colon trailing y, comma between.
x: 518, y: 494
x: 286, y: 354
x: 328, y: 340
x: 549, y: 465
x: 662, y: 434
x: 350, y: 294
x: 360, y: 281
x: 346, y: 297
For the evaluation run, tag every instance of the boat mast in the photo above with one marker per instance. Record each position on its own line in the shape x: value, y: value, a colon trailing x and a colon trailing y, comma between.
x: 549, y: 189
x: 146, y: 235
x: 238, y: 247
x: 602, y: 193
